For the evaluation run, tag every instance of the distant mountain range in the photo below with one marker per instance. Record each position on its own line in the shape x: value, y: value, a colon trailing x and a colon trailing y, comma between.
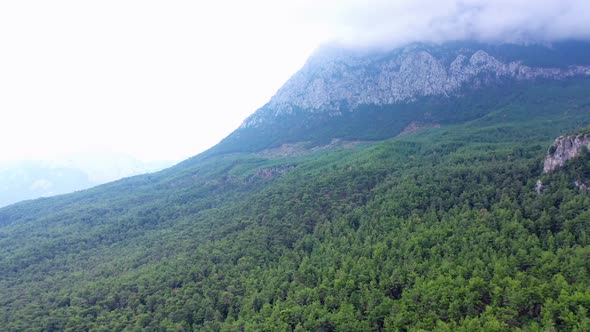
x: 32, y: 179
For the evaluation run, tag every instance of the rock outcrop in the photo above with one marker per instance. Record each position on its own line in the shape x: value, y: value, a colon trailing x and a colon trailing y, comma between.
x: 582, y: 186
x: 539, y: 187
x: 339, y: 81
x: 563, y: 149
x: 269, y: 173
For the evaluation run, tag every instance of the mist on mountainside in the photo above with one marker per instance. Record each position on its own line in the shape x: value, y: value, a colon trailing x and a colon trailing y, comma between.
x: 388, y: 24
x: 25, y: 180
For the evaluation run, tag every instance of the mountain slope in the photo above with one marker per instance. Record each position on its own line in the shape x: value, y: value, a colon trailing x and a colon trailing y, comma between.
x: 355, y: 95
x: 440, y: 229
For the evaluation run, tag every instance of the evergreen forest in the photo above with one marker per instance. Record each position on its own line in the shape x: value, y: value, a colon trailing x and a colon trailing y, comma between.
x: 438, y: 230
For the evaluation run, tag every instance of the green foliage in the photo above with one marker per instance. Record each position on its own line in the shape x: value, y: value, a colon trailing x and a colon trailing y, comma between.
x: 440, y: 230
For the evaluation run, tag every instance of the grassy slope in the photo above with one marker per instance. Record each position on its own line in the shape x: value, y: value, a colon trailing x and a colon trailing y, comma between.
x: 440, y: 229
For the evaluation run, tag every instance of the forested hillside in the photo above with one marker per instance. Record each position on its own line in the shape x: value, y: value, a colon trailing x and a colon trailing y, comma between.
x: 437, y: 230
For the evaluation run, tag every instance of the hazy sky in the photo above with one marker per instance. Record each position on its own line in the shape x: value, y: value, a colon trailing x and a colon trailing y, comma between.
x: 167, y: 79
x: 158, y: 80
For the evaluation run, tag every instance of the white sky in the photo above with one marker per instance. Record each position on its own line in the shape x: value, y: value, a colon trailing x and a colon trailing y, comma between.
x: 165, y: 80
x: 158, y: 80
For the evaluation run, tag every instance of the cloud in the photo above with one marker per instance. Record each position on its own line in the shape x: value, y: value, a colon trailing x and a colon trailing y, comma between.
x: 153, y: 79
x: 386, y: 23
x: 165, y: 80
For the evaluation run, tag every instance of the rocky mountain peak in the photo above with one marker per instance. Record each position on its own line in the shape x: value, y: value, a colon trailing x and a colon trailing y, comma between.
x: 334, y: 81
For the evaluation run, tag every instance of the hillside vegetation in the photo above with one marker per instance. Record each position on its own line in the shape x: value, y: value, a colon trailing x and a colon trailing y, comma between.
x: 438, y: 230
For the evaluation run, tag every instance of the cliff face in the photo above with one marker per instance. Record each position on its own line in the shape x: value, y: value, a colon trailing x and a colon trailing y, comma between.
x: 335, y: 81
x: 563, y: 149
x: 369, y: 95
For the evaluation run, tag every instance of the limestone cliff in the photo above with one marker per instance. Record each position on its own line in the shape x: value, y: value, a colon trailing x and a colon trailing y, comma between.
x: 337, y: 81
x: 563, y: 149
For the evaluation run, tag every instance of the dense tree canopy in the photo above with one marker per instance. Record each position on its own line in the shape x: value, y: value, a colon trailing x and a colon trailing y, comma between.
x: 440, y: 230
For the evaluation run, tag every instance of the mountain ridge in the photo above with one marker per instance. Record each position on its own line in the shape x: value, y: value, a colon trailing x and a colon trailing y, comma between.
x: 339, y: 83
x: 338, y: 93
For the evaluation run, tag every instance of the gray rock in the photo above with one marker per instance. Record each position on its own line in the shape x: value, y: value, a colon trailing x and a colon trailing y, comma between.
x: 336, y: 82
x: 581, y: 185
x: 271, y: 172
x: 563, y: 149
x: 539, y: 187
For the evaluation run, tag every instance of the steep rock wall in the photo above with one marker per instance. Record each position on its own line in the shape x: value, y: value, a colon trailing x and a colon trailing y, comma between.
x: 336, y: 83
x: 563, y: 149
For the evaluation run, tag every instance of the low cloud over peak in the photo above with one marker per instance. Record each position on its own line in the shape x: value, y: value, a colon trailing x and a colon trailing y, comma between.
x: 377, y: 23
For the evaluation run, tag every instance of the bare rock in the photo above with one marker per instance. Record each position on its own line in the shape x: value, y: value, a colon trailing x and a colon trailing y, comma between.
x: 539, y: 187
x: 581, y: 185
x: 563, y: 149
x: 339, y: 82
x: 271, y: 172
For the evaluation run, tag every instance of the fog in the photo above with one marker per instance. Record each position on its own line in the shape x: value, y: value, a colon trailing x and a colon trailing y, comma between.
x: 167, y: 80
x: 379, y: 23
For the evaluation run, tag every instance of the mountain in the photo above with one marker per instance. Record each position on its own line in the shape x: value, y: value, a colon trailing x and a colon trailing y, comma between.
x: 32, y: 179
x: 354, y: 95
x: 425, y: 210
x: 28, y: 180
x: 103, y: 167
